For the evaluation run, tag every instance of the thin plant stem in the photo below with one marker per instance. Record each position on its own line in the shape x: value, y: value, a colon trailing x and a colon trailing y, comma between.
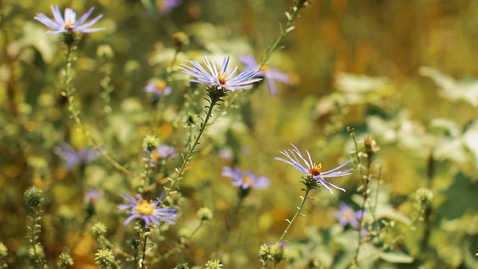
x: 33, y: 239
x: 428, y: 207
x: 365, y: 197
x: 284, y: 31
x: 145, y: 174
x: 143, y: 259
x: 68, y: 93
x: 365, y: 179
x: 180, y: 171
x: 304, y: 198
x: 299, y: 209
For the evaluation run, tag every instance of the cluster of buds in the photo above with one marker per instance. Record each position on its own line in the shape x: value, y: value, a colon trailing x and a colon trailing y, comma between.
x: 150, y: 143
x: 273, y: 252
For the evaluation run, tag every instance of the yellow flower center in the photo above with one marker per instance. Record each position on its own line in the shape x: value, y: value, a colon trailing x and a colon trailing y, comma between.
x: 247, y: 180
x: 146, y: 208
x: 348, y: 214
x: 160, y: 84
x: 265, y: 68
x: 315, y: 171
x: 155, y: 156
x: 222, y: 78
x: 69, y: 25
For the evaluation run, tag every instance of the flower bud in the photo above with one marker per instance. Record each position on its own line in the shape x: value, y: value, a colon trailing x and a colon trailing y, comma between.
x: 33, y: 196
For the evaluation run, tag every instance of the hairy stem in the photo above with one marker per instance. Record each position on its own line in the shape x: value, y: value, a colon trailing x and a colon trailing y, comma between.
x: 143, y: 259
x: 192, y: 147
x: 33, y: 238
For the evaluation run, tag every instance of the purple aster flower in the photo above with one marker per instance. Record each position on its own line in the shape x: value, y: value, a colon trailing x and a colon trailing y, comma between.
x: 158, y: 87
x: 220, y: 79
x: 92, y: 196
x: 314, y: 170
x: 73, y: 157
x: 69, y: 23
x: 346, y: 215
x: 148, y: 211
x: 270, y: 74
x: 165, y: 6
x: 225, y: 154
x: 245, y: 179
x: 163, y: 151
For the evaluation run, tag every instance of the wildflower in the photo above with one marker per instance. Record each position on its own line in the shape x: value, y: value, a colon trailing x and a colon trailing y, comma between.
x: 158, y: 87
x: 270, y: 74
x: 148, y: 211
x: 69, y: 23
x: 204, y: 214
x: 65, y: 260
x: 98, y: 229
x: 163, y: 151
x: 278, y: 251
x: 150, y: 143
x: 313, y: 170
x: 73, y: 157
x: 346, y: 215
x: 165, y: 6
x: 213, y: 264
x: 104, y: 258
x: 225, y: 154
x: 220, y: 79
x: 246, y: 179
x: 92, y: 196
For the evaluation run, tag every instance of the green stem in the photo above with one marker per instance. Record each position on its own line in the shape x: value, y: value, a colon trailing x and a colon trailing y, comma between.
x: 143, y: 259
x: 33, y: 238
x: 180, y: 171
x: 365, y: 197
x: 299, y: 209
x: 145, y: 175
x: 284, y: 32
x: 74, y: 113
x: 296, y: 214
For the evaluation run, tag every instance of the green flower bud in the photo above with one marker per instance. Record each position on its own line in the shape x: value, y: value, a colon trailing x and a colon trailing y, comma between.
x: 65, y: 260
x: 150, y: 143
x: 98, y: 229
x: 213, y: 264
x: 204, y: 214
x: 33, y: 196
x: 104, y: 257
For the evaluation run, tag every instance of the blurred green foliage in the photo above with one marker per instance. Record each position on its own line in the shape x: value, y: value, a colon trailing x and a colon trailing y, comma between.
x: 400, y: 71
